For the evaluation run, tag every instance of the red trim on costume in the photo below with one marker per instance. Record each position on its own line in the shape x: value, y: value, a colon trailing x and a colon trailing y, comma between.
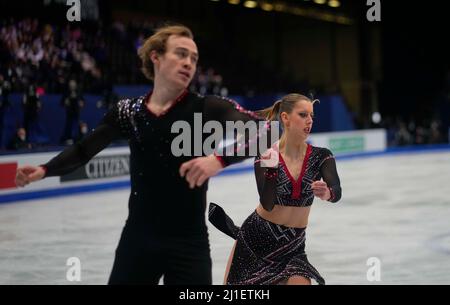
x: 241, y: 109
x: 45, y: 169
x: 297, y: 185
x: 305, y: 162
x: 287, y: 170
x: 269, y: 175
x: 177, y: 100
x: 220, y: 160
x: 332, y: 194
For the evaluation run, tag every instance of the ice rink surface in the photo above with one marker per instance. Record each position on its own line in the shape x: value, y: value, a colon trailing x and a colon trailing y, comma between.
x: 395, y: 208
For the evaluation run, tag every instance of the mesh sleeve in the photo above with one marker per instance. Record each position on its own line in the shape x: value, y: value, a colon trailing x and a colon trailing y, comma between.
x: 266, y: 182
x: 330, y: 176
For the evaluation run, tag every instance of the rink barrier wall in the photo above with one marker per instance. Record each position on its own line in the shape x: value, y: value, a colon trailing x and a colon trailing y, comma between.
x: 109, y: 170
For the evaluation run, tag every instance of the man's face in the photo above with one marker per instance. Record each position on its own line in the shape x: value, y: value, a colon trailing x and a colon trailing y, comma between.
x: 177, y: 66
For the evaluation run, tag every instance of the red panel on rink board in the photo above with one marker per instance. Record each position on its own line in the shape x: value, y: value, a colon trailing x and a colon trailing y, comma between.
x: 7, y: 175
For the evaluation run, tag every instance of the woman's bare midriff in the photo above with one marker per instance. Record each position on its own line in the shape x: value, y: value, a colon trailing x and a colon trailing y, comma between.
x: 293, y: 217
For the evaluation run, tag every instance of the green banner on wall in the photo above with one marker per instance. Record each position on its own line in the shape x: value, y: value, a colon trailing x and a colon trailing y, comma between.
x: 347, y: 144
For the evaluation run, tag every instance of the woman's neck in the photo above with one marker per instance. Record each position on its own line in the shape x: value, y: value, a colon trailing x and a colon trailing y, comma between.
x: 293, y: 148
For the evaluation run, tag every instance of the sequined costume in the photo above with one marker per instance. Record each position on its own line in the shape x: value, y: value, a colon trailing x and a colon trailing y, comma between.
x: 269, y: 253
x: 165, y: 233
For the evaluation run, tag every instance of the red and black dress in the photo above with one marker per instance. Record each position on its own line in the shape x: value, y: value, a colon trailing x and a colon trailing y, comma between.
x: 269, y: 253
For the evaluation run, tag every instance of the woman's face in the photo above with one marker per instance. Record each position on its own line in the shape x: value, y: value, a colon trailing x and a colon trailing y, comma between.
x: 299, y: 122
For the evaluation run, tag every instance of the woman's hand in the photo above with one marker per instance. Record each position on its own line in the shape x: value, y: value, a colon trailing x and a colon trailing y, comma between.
x: 321, y: 190
x: 27, y: 174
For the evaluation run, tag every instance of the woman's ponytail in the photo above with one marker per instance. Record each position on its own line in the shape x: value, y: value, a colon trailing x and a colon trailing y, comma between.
x: 271, y: 113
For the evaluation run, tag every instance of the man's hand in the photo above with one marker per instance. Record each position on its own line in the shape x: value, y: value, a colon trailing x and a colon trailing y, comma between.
x: 27, y: 174
x: 198, y: 170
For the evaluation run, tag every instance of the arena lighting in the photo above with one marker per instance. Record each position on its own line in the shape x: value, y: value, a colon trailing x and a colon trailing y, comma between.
x: 283, y: 7
x: 376, y: 118
x: 250, y: 4
x: 280, y: 7
x: 334, y: 3
x: 298, y: 11
x: 343, y: 20
x: 265, y: 6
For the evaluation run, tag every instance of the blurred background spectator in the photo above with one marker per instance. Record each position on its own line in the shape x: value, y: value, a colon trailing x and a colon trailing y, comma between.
x: 73, y: 102
x: 377, y: 70
x: 20, y: 142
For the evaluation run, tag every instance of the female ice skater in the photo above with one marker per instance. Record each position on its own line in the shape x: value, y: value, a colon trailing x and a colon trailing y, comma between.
x: 270, y: 245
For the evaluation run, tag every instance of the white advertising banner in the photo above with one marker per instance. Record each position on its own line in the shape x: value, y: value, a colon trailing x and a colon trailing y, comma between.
x: 110, y: 168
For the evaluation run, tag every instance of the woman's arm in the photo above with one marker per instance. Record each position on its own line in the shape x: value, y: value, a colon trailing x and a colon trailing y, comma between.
x: 266, y: 180
x: 330, y: 176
